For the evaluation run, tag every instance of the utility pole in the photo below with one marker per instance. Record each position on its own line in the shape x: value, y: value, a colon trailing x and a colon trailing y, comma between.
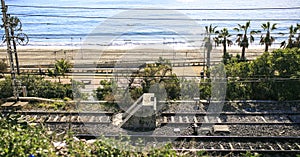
x: 6, y: 26
x: 10, y: 25
x: 15, y: 50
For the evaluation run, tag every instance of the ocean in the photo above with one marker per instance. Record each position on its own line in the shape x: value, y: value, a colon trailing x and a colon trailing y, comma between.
x: 121, y: 22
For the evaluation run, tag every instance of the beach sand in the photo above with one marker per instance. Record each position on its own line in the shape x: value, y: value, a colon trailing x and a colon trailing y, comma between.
x: 46, y: 55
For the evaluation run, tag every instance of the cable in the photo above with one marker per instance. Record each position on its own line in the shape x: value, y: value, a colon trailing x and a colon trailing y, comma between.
x: 145, y: 33
x: 154, y: 19
x: 126, y: 8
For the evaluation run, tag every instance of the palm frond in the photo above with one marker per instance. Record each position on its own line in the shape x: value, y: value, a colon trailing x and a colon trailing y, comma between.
x: 268, y: 24
x: 295, y: 30
x: 236, y: 29
x: 238, y: 40
x: 254, y: 32
x: 272, y: 39
x: 247, y: 24
x: 216, y: 39
x: 240, y: 35
x: 262, y: 40
x: 251, y: 38
x: 240, y: 26
x: 291, y: 28
x: 213, y: 29
x: 274, y: 26
x: 229, y: 42
x: 264, y: 26
x: 282, y: 44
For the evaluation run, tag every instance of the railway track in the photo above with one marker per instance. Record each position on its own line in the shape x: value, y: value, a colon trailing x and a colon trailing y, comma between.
x: 223, y: 118
x: 286, y: 144
x: 222, y: 144
x: 231, y: 118
x: 63, y: 117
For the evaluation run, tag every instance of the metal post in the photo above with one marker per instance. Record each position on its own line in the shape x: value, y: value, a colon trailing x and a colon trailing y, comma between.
x: 15, y: 51
x: 204, y: 59
x: 81, y: 48
x: 6, y: 25
x: 173, y: 49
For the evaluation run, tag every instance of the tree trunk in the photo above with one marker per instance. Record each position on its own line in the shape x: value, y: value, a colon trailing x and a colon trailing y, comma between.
x: 243, y: 53
x: 298, y: 41
x: 208, y: 59
x: 209, y: 48
x: 266, y: 47
x: 290, y: 43
x: 267, y: 43
x: 224, y: 47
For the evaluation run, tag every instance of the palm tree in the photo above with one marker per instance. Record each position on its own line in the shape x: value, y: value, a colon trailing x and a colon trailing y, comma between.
x: 298, y: 38
x: 292, y: 31
x: 61, y: 67
x: 268, y: 39
x: 209, y: 30
x: 222, y: 38
x: 243, y: 39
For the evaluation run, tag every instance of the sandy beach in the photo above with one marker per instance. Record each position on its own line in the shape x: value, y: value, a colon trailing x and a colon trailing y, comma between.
x: 45, y: 56
x: 41, y: 56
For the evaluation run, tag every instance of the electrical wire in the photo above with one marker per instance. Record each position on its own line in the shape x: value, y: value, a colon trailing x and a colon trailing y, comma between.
x: 127, y: 8
x: 153, y: 19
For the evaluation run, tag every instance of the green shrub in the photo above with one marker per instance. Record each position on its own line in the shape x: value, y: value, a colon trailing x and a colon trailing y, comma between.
x: 3, y: 66
x: 104, y: 92
x: 154, y: 77
x: 23, y: 139
x: 272, y: 76
x: 6, y: 88
x: 38, y: 87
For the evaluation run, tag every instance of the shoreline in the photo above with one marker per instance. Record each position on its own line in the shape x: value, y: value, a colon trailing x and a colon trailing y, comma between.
x: 128, y: 47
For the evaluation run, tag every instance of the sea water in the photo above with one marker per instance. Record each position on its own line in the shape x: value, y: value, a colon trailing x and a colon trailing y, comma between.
x: 70, y: 22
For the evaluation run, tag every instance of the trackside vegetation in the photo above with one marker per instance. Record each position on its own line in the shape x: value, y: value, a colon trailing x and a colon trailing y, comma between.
x: 272, y: 76
x: 22, y: 139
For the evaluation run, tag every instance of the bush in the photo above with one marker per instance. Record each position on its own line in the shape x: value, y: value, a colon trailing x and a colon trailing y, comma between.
x: 6, y: 88
x: 104, y: 92
x: 154, y: 78
x: 3, y: 66
x: 23, y: 139
x: 55, y: 105
x: 36, y: 86
x: 272, y: 76
x: 205, y: 89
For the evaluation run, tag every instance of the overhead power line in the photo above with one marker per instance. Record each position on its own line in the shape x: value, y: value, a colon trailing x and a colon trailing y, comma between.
x: 153, y: 19
x: 127, y: 8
